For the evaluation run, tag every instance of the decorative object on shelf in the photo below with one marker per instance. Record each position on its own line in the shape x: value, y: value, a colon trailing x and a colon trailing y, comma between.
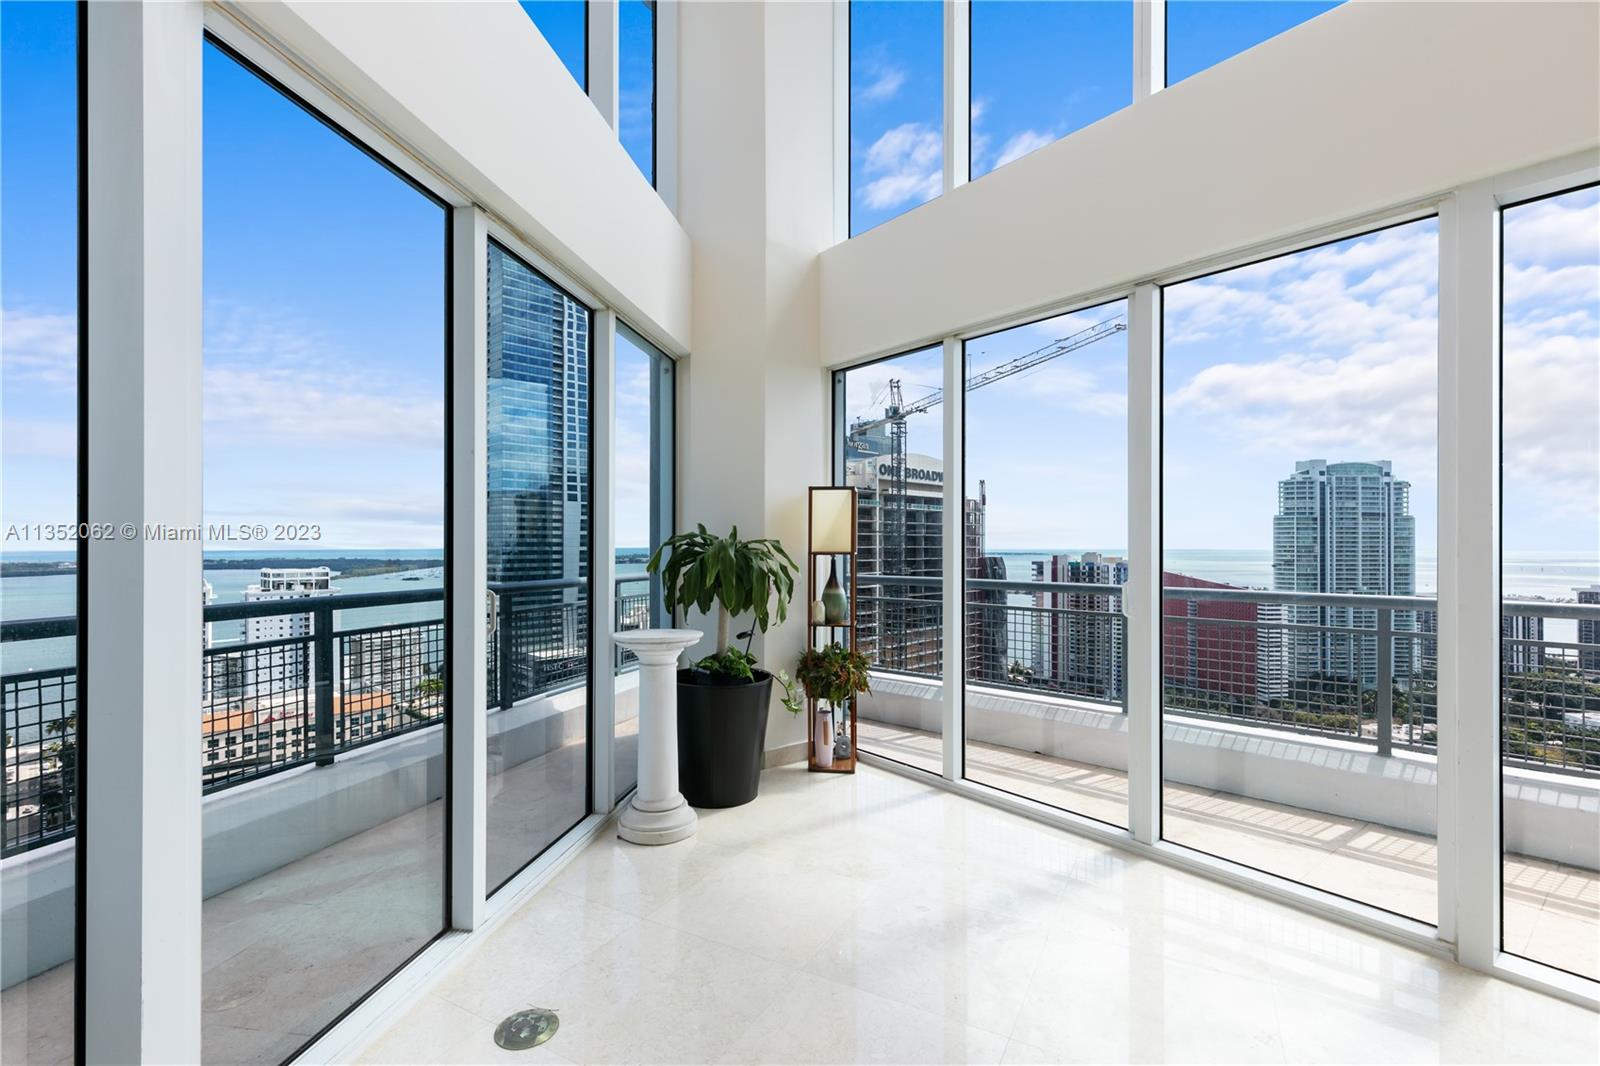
x: 832, y: 677
x: 657, y: 813
x: 831, y: 534
x: 723, y: 699
x: 822, y: 739
x: 835, y: 605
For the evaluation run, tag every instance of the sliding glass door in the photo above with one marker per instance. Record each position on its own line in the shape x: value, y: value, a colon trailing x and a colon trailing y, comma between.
x: 1550, y: 580
x: 539, y: 565
x: 1046, y: 514
x: 322, y: 653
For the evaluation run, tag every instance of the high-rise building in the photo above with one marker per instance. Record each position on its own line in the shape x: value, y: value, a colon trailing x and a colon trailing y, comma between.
x: 1518, y: 655
x: 1589, y: 633
x: 281, y: 668
x: 538, y: 455
x: 1344, y: 527
x: 538, y: 428
x: 1079, y: 642
x: 1211, y: 651
x: 900, y: 625
x: 987, y: 651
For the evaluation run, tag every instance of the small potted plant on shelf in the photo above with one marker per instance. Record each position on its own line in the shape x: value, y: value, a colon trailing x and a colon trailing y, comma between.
x: 831, y: 675
x: 723, y: 698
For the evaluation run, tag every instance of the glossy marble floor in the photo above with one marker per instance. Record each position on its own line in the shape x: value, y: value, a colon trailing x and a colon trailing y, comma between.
x: 873, y: 918
x: 1552, y: 911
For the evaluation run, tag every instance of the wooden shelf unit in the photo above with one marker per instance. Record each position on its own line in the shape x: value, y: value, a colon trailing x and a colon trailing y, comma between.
x: 813, y: 593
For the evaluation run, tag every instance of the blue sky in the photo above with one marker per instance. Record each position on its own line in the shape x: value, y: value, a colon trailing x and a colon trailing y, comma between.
x: 1040, y: 70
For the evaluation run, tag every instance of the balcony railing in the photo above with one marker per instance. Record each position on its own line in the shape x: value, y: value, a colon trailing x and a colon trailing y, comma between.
x: 1355, y: 667
x: 302, y: 698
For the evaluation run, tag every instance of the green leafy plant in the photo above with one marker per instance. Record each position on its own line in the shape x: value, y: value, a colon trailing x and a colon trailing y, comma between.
x: 834, y: 673
x: 700, y: 570
x: 791, y: 698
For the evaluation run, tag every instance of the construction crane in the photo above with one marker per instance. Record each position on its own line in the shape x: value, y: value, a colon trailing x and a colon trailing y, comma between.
x: 896, y: 411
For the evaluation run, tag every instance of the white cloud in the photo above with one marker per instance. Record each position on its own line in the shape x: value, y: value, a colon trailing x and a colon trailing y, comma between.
x: 1021, y: 144
x: 905, y: 165
x: 273, y: 381
x: 886, y: 83
x: 1560, y: 229
x: 39, y: 346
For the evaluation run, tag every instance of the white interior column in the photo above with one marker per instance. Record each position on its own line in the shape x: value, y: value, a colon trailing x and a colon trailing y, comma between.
x: 1142, y: 594
x: 141, y: 680
x: 469, y: 553
x: 954, y: 686
x: 957, y: 93
x: 602, y: 528
x: 1469, y: 573
x: 602, y: 58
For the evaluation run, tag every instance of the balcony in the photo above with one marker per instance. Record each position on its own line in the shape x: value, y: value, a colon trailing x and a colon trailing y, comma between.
x: 1323, y: 772
x: 322, y: 764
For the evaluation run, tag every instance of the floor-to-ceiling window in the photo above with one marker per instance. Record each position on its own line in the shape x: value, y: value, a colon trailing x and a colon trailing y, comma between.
x: 1041, y: 71
x: 1550, y: 580
x: 636, y: 83
x: 1299, y: 501
x: 539, y: 569
x: 39, y: 508
x: 892, y: 452
x: 1045, y: 560
x: 643, y: 501
x: 896, y: 108
x: 322, y: 655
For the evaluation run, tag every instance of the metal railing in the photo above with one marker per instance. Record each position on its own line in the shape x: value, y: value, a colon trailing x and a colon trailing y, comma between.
x: 1355, y: 667
x: 306, y: 694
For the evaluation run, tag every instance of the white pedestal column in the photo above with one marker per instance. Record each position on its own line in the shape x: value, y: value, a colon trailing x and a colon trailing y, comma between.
x: 657, y: 813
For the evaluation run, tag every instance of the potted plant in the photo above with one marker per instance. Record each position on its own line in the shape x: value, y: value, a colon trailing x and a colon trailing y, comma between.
x: 723, y: 698
x: 831, y: 675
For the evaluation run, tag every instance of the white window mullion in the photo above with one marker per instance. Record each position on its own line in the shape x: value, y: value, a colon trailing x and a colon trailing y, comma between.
x: 1142, y: 594
x: 469, y: 697
x: 957, y: 93
x: 954, y: 562
x: 666, y: 116
x: 602, y: 58
x: 1469, y: 575
x: 602, y: 528
x: 1149, y: 48
x: 142, y: 830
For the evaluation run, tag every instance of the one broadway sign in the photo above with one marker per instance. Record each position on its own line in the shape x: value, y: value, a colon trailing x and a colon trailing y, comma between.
x: 923, y: 472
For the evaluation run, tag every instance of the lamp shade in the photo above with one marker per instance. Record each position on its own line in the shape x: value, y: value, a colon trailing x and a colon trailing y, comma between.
x: 833, y: 520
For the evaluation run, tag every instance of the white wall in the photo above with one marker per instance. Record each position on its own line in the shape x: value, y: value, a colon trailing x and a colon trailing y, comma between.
x: 474, y: 90
x: 756, y: 196
x: 1366, y: 107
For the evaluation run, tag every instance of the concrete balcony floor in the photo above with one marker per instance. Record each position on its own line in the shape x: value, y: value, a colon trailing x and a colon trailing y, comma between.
x: 1552, y: 911
x: 876, y: 919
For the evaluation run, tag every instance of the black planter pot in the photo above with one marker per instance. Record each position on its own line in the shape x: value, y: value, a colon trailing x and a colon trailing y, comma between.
x: 722, y: 731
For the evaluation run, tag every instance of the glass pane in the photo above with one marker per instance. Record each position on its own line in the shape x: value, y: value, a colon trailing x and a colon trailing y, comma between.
x: 636, y: 81
x: 1550, y: 555
x: 896, y: 108
x: 1040, y: 71
x: 38, y: 469
x: 1202, y: 33
x: 1299, y: 493
x: 894, y: 456
x: 565, y: 25
x: 644, y: 447
x: 538, y: 514
x: 324, y: 352
x: 1046, y: 696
